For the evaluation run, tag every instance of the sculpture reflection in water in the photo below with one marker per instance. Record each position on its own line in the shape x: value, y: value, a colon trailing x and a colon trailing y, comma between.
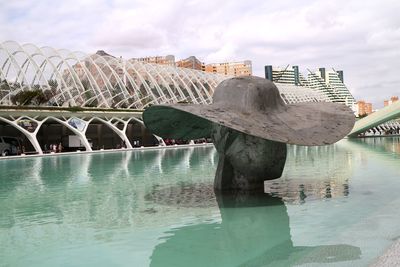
x: 254, y: 231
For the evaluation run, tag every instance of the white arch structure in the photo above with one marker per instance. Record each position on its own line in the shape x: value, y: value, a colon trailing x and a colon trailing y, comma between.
x: 101, y: 80
x: 39, y: 117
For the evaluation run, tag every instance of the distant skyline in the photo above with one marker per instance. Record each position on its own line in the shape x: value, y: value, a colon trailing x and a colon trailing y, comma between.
x: 362, y: 38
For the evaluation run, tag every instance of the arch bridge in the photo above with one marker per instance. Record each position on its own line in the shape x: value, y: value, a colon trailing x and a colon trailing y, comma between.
x: 375, y: 119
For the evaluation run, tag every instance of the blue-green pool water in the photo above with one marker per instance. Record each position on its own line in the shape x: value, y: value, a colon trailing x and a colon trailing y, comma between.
x: 335, y: 205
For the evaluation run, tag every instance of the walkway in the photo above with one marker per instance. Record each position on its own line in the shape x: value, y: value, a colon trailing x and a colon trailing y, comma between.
x: 381, y: 116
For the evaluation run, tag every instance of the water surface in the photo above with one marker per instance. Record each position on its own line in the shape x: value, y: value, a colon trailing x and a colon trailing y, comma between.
x: 334, y: 205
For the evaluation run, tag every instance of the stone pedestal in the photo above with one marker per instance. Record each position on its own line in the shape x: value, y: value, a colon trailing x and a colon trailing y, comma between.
x: 245, y: 161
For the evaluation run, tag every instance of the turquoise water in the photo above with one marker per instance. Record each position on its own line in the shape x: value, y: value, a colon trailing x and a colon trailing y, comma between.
x: 335, y: 205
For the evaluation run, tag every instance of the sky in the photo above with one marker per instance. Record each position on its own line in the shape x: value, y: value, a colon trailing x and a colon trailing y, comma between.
x: 360, y: 37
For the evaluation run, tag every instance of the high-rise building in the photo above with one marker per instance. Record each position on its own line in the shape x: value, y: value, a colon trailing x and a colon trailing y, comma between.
x: 328, y: 82
x: 190, y: 63
x: 335, y: 80
x: 243, y: 68
x: 317, y: 83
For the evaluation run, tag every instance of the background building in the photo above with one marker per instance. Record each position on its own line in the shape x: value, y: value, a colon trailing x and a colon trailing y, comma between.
x: 391, y: 101
x: 287, y: 75
x: 190, y: 63
x: 243, y: 68
x: 163, y: 60
x: 363, y: 108
x: 328, y: 82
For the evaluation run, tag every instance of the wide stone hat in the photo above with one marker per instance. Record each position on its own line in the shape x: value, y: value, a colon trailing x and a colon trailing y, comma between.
x: 253, y: 106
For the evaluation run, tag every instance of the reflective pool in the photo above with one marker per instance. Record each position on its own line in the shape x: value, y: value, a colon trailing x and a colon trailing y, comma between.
x: 334, y: 205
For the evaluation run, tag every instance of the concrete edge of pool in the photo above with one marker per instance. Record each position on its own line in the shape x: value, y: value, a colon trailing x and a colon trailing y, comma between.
x: 391, y: 256
x: 104, y: 151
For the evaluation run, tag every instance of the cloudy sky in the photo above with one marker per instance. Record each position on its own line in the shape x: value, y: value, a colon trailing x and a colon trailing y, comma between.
x: 360, y: 37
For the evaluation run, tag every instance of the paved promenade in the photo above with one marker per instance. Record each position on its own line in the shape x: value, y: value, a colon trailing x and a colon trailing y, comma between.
x: 105, y: 151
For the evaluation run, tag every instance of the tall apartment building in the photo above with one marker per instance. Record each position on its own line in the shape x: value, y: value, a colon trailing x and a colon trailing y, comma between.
x: 391, y: 101
x: 363, y: 108
x: 287, y: 75
x: 335, y: 80
x: 190, y: 63
x: 242, y: 68
x: 163, y: 60
x: 328, y: 82
x: 315, y: 82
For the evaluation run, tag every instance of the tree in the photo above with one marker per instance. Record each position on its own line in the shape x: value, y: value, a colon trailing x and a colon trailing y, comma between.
x: 34, y: 97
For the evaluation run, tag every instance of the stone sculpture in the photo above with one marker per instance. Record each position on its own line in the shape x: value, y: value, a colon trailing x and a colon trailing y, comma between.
x: 250, y: 126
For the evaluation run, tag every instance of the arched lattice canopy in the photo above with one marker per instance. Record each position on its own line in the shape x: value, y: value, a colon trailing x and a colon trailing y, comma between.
x: 297, y: 94
x: 68, y: 78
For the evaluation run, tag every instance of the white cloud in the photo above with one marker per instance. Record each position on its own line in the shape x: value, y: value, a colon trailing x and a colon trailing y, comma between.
x: 360, y: 37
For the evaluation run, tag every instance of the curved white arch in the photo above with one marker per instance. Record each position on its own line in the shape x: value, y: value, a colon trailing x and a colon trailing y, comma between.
x: 160, y: 140
x: 94, y: 86
x: 15, y: 65
x: 31, y: 136
x: 80, y: 134
x: 120, y: 133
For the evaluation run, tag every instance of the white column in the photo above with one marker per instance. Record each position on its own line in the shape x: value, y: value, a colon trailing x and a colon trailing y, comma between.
x: 31, y: 136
